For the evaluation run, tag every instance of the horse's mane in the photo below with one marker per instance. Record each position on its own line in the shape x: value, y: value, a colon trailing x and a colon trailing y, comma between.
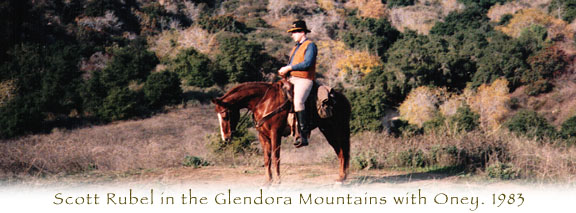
x: 246, y: 86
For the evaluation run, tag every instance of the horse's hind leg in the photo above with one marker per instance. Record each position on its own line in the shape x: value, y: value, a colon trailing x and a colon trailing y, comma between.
x: 339, y: 139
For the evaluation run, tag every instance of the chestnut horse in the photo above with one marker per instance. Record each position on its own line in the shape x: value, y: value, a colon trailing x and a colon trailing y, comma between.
x: 270, y: 106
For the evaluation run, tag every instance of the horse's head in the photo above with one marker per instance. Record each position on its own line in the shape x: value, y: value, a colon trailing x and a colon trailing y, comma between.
x: 227, y: 118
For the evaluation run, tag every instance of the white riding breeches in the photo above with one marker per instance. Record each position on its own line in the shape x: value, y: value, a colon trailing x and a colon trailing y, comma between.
x: 302, y: 88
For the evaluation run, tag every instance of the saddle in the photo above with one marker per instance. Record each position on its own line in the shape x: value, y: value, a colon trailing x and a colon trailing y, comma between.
x: 320, y: 102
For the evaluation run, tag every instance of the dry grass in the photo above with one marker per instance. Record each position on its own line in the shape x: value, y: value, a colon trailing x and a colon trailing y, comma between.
x: 368, y: 8
x: 163, y: 141
x: 475, y: 151
x: 171, y: 42
x: 158, y: 142
x: 557, y: 105
x: 423, y: 15
x: 511, y: 7
x: 418, y: 18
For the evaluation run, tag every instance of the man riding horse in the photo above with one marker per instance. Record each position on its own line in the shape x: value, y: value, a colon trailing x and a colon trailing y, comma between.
x: 302, y: 71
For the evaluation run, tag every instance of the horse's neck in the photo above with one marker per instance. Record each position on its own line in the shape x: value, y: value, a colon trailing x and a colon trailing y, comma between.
x: 246, y: 95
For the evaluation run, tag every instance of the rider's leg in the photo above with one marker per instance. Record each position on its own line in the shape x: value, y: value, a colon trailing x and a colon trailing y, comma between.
x: 302, y: 88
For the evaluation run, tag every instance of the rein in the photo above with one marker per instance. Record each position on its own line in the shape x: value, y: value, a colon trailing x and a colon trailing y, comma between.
x: 279, y: 109
x: 269, y: 115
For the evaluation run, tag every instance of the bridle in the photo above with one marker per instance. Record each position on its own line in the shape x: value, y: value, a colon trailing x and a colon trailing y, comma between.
x: 285, y: 105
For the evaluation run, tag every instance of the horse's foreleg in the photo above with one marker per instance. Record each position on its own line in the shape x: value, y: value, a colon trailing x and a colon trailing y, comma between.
x: 276, y: 143
x: 265, y: 141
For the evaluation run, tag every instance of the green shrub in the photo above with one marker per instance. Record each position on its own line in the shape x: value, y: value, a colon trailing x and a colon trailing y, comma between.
x: 502, y: 171
x: 196, y: 69
x: 568, y: 8
x: 412, y: 158
x: 502, y: 57
x: 241, y: 59
x: 366, y: 161
x: 121, y: 103
x: 531, y: 124
x: 46, y: 78
x: 435, y: 125
x: 483, y: 4
x: 369, y: 34
x: 241, y: 140
x: 222, y: 23
x: 398, y: 3
x: 464, y: 119
x: 417, y: 60
x: 458, y: 21
x: 132, y: 62
x: 403, y: 128
x: 162, y: 88
x: 193, y: 161
x: 19, y: 116
x: 505, y: 19
x: 568, y: 129
x: 368, y: 109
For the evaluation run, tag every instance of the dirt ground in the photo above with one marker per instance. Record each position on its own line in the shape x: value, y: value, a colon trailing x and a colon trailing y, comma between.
x: 292, y: 175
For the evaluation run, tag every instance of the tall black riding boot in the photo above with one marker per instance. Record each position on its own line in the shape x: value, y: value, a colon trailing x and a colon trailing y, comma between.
x: 304, y: 129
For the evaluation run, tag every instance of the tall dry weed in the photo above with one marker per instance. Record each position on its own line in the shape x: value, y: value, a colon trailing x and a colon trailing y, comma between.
x: 474, y: 152
x: 170, y: 42
x: 491, y: 102
x: 422, y: 104
x: 7, y: 89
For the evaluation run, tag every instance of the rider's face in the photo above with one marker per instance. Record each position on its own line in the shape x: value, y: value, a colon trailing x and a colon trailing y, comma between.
x: 297, y: 36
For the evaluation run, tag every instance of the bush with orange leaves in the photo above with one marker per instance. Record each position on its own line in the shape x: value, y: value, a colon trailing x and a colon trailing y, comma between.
x: 368, y: 8
x: 356, y: 64
x: 491, y: 102
x: 531, y: 16
x: 343, y: 64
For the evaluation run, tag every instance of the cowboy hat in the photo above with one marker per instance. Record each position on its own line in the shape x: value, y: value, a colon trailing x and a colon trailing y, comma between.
x: 298, y: 26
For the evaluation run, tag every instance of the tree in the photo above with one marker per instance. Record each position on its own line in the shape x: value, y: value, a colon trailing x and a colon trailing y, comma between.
x: 502, y: 57
x: 471, y: 18
x: 45, y: 78
x: 369, y: 34
x: 132, y: 62
x: 196, y: 69
x: 240, y: 59
x: 162, y: 88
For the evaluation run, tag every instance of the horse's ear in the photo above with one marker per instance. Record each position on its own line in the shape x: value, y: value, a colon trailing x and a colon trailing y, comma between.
x: 216, y: 101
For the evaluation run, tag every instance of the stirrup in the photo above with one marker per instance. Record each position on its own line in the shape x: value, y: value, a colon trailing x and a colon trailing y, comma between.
x: 302, y: 141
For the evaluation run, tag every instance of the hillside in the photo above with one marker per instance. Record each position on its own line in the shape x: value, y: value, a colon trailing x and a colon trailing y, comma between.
x: 471, y: 86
